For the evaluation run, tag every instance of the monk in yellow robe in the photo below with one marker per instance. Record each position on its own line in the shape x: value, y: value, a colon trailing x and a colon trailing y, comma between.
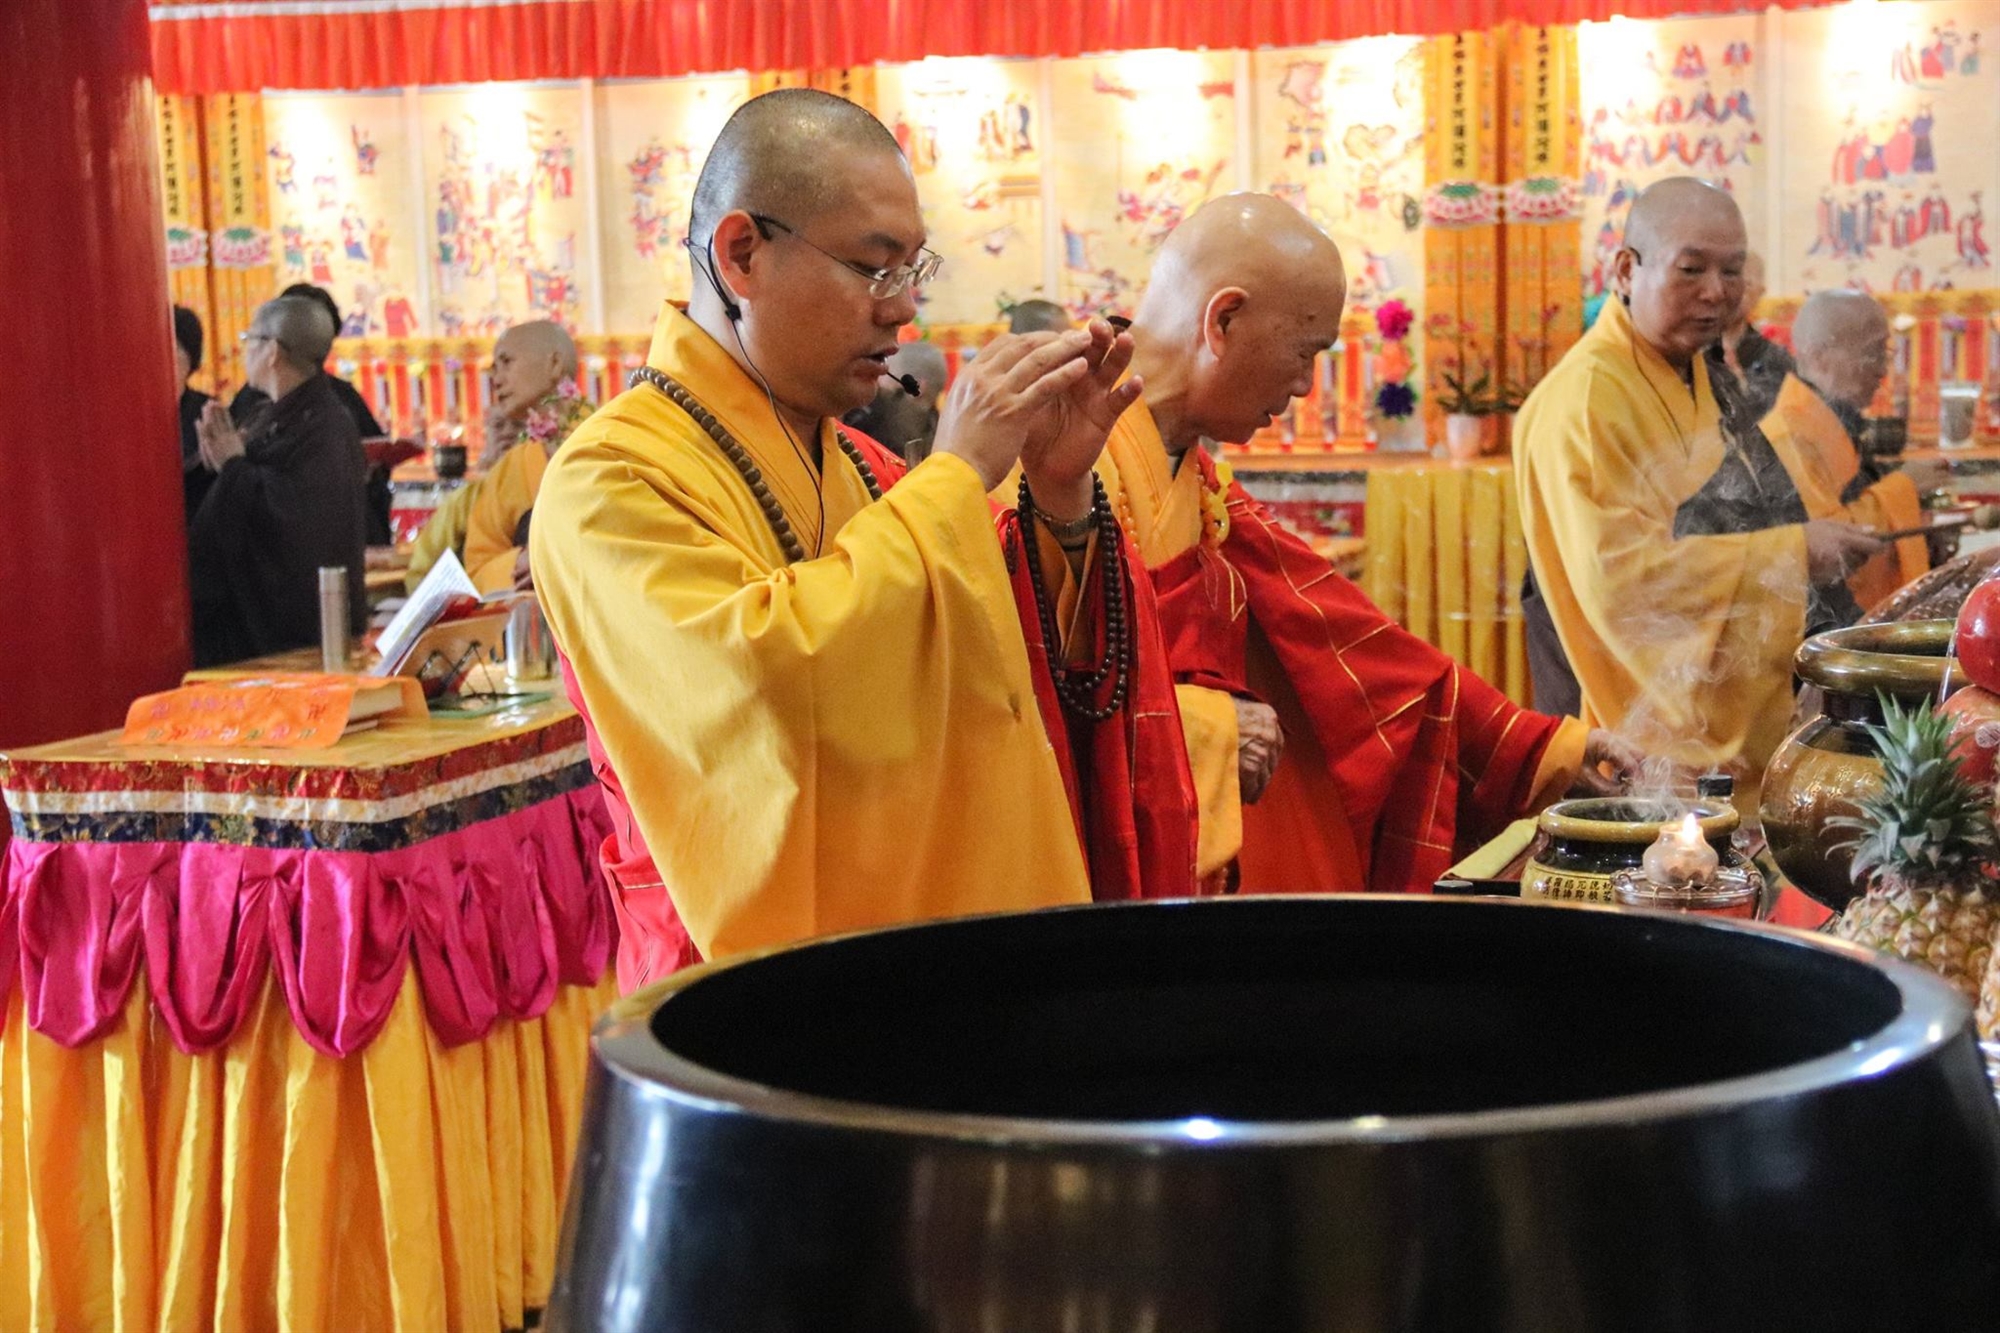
x: 1680, y: 634
x: 1331, y: 749
x: 817, y: 711
x: 535, y: 407
x: 1840, y: 341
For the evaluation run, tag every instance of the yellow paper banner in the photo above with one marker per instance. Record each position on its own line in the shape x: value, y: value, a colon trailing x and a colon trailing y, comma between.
x: 184, y: 204
x: 239, y: 226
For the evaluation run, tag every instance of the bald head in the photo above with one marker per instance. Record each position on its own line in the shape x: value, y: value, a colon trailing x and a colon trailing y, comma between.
x: 1243, y: 297
x: 925, y: 360
x: 1667, y: 210
x: 1255, y: 242
x: 1841, y: 343
x: 780, y: 155
x: 1037, y: 316
x: 529, y: 361
x: 1680, y: 272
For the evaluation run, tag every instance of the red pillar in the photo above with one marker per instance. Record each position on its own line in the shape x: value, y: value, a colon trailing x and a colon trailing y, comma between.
x: 93, y: 564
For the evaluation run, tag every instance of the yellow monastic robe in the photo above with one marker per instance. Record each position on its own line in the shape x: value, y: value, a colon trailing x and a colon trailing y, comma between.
x: 846, y: 742
x: 505, y: 494
x: 443, y: 531
x: 1816, y: 450
x: 1161, y: 508
x: 1685, y: 646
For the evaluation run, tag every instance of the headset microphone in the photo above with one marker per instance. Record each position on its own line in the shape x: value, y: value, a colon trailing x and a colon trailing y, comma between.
x: 908, y: 384
x: 729, y: 306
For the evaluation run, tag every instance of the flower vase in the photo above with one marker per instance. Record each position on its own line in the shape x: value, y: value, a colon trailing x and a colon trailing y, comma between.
x: 1399, y: 435
x: 1466, y: 436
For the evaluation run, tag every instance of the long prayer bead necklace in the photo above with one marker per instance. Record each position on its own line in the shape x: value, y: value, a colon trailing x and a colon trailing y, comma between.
x: 753, y: 477
x: 1077, y: 689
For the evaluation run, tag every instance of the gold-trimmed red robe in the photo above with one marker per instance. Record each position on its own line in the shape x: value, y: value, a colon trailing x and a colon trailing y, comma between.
x: 1396, y: 759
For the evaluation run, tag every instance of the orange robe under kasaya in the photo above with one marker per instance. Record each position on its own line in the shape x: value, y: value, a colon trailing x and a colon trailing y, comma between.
x: 1396, y: 759
x: 764, y: 786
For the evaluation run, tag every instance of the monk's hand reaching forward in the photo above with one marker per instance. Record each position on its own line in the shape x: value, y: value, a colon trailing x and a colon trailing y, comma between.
x: 999, y: 401
x: 1835, y: 549
x: 1610, y: 765
x: 1060, y: 452
x: 1259, y: 743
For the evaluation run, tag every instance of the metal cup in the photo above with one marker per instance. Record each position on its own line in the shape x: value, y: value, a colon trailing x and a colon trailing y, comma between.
x: 335, y: 642
x: 531, y: 651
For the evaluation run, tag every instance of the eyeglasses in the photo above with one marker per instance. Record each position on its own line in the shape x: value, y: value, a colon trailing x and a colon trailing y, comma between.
x: 883, y: 283
x: 246, y: 338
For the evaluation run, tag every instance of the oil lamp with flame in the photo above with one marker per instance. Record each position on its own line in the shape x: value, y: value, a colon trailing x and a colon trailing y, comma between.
x: 1681, y: 872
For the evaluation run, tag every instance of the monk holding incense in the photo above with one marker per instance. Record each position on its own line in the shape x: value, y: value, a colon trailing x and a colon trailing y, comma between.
x: 822, y: 694
x: 1676, y: 567
x: 1332, y: 750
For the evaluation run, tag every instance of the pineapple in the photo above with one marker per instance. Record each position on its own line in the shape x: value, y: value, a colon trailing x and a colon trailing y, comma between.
x: 1925, y: 845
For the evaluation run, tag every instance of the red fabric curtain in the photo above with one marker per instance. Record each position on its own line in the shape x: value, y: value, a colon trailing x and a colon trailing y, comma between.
x: 245, y: 45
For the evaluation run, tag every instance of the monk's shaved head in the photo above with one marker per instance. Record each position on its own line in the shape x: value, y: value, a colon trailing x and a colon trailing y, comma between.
x: 540, y: 338
x: 529, y: 360
x: 1841, y: 341
x: 1666, y: 210
x: 807, y: 240
x: 1243, y: 297
x: 1038, y: 316
x: 778, y: 155
x: 1834, y: 318
x: 1253, y: 241
x: 1680, y: 272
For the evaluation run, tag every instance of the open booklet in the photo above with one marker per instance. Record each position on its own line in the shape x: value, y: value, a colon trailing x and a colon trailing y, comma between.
x: 446, y: 595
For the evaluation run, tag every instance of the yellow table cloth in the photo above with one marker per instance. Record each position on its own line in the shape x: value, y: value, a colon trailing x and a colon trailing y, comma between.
x: 1446, y: 560
x: 280, y: 1155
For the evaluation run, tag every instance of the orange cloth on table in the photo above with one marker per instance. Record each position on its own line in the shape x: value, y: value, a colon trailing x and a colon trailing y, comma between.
x: 289, y: 710
x: 1396, y: 757
x: 1816, y: 449
x: 792, y: 750
x: 410, y: 1188
x: 505, y: 495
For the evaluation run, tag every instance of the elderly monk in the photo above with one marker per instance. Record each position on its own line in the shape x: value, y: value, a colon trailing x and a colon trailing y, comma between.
x: 815, y: 710
x: 1393, y: 756
x: 1677, y: 613
x: 286, y: 499
x: 1841, y: 342
x: 535, y: 407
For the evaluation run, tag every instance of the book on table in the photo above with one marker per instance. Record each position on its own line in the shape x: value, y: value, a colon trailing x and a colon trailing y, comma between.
x: 445, y: 628
x: 272, y: 710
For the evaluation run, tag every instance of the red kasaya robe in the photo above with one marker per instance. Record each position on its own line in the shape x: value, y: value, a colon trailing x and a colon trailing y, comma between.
x: 1397, y: 759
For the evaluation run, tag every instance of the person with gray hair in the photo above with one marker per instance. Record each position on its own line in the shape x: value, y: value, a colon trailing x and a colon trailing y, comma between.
x: 286, y: 499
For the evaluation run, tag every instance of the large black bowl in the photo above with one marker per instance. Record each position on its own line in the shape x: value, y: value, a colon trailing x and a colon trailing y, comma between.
x: 1289, y: 1113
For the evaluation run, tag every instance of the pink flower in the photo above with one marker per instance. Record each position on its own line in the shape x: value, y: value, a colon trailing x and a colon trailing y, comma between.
x: 1393, y: 320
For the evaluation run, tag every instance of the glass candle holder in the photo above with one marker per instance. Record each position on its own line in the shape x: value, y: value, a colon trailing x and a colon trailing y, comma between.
x: 1728, y: 892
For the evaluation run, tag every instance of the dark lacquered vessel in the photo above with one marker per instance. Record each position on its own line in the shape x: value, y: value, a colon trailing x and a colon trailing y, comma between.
x: 1289, y: 1114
